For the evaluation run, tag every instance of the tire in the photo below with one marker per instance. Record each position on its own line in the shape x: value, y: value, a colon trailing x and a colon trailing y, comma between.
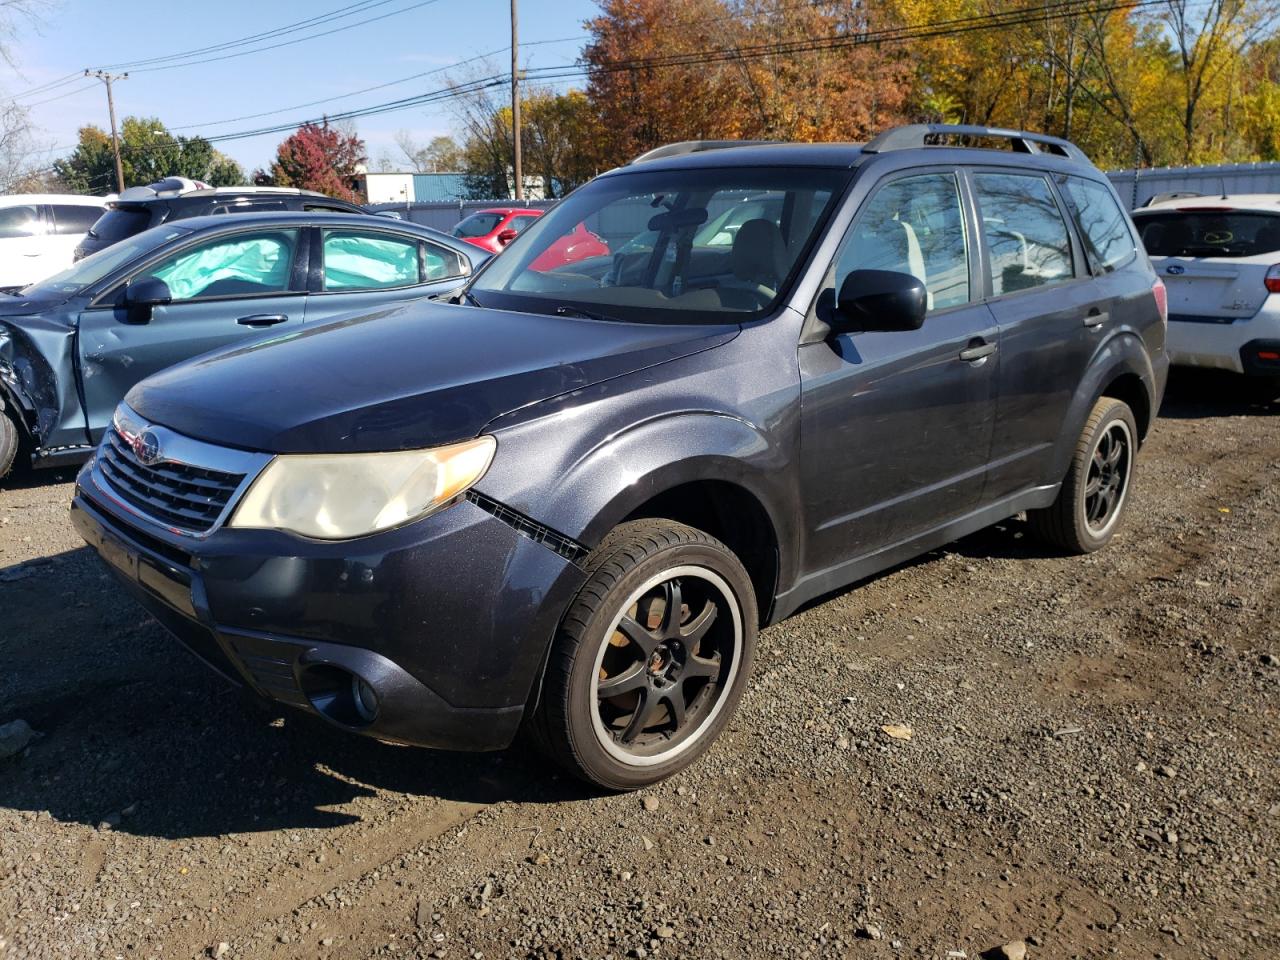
x: 670, y: 697
x: 1087, y: 512
x: 10, y: 444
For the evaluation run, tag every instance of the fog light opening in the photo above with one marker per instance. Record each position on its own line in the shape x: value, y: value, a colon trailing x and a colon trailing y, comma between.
x: 340, y: 695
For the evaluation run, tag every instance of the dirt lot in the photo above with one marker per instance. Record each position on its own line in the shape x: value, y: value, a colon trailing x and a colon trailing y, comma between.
x: 1093, y: 768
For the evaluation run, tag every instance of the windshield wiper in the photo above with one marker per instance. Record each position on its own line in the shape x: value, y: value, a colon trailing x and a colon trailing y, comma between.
x: 564, y: 310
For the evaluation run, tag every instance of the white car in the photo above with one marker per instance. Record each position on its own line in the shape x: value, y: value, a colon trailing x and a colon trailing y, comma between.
x: 1220, y: 261
x: 39, y: 232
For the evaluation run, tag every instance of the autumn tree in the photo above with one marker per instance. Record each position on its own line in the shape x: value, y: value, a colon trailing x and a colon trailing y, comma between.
x: 319, y: 157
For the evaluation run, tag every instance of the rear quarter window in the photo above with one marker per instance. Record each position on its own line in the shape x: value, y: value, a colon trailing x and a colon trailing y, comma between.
x: 1209, y: 233
x: 120, y: 223
x: 1104, y: 227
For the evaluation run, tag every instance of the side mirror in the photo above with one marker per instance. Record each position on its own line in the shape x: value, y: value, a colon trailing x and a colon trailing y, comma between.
x: 506, y: 236
x: 879, y: 300
x: 143, y: 294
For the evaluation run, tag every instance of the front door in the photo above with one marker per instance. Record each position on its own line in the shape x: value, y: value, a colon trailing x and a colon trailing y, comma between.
x: 224, y: 290
x: 896, y: 426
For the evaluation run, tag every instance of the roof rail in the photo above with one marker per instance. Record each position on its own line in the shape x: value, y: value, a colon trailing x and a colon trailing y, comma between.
x: 694, y: 146
x: 917, y: 134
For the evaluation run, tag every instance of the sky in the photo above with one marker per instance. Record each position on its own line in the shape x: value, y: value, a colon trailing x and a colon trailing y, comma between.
x: 412, y: 37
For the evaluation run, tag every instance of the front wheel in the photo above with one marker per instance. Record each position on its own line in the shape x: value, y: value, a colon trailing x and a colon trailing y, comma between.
x: 651, y: 658
x: 1093, y: 495
x: 10, y: 442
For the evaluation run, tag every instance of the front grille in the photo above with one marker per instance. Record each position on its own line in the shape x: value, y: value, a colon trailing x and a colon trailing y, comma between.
x: 177, y: 495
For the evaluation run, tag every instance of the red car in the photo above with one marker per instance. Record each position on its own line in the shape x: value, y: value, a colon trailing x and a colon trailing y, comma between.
x: 494, y: 228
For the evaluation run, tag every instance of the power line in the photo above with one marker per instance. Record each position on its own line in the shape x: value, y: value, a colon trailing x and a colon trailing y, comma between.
x: 1060, y: 9
x: 286, y: 43
x: 339, y: 13
x: 380, y: 86
x: 49, y: 85
x: 70, y: 93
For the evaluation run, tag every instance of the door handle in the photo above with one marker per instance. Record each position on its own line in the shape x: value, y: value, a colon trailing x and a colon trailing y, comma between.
x: 1095, y: 318
x: 262, y: 320
x: 977, y: 350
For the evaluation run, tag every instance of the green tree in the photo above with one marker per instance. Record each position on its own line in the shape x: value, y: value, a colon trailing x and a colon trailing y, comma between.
x: 148, y: 152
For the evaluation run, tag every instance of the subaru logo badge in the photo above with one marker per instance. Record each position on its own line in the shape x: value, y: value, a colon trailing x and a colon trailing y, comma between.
x: 1177, y: 270
x: 147, y: 448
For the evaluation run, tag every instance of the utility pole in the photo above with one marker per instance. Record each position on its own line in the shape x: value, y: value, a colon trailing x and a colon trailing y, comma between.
x: 108, y: 79
x: 515, y: 100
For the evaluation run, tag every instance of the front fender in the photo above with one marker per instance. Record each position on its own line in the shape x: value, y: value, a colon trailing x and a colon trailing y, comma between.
x: 1123, y: 354
x: 28, y: 384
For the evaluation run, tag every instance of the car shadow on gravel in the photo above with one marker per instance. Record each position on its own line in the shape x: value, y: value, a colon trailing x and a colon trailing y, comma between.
x: 34, y: 479
x: 137, y: 734
x: 1196, y: 394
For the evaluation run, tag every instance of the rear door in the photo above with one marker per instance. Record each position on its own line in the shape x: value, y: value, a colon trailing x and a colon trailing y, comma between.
x: 225, y: 289
x: 360, y: 269
x: 1051, y: 317
x: 1213, y: 259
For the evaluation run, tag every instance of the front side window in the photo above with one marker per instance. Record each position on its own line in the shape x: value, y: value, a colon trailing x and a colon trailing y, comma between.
x: 662, y: 267
x: 1209, y: 233
x: 519, y: 223
x: 245, y: 264
x: 74, y: 219
x: 1102, y: 223
x: 914, y: 225
x: 1027, y: 239
x: 23, y: 221
x: 358, y: 260
x: 477, y: 225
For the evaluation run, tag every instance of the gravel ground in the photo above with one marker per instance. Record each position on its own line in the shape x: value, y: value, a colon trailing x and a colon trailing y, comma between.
x: 1092, y: 768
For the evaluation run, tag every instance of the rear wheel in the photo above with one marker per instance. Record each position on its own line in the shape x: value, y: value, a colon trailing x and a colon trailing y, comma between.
x: 651, y: 658
x: 1093, y: 495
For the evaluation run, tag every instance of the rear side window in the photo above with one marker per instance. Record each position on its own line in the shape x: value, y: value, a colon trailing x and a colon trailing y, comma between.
x: 1209, y: 233
x: 74, y: 219
x: 914, y: 225
x: 440, y: 263
x: 1027, y: 239
x: 1107, y: 239
x: 121, y: 222
x: 21, y: 221
x: 355, y: 260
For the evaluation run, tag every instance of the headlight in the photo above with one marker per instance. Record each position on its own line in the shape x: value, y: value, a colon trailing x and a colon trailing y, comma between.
x: 344, y: 495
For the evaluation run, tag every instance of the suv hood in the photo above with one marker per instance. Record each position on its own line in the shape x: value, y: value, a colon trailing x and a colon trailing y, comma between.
x: 416, y: 376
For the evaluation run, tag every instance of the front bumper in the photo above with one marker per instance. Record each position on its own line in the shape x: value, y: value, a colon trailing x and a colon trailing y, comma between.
x: 448, y: 619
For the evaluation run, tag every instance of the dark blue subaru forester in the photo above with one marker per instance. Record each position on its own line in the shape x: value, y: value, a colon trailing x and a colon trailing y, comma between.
x: 569, y: 501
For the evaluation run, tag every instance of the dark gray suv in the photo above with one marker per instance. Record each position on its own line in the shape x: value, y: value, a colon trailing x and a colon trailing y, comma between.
x: 568, y: 502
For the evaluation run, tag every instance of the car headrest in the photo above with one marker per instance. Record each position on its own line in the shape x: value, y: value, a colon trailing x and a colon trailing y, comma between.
x: 759, y: 253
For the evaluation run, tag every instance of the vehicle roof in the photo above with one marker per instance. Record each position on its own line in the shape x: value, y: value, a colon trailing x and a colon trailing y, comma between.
x: 850, y: 155
x: 317, y: 218
x: 206, y: 193
x: 1269, y: 202
x: 13, y: 199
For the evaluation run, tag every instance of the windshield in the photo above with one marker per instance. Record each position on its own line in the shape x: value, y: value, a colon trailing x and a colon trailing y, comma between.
x: 477, y: 225
x: 120, y: 222
x: 685, y: 246
x: 98, y: 265
x: 1209, y: 233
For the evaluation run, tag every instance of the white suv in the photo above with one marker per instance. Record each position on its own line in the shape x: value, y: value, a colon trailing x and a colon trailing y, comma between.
x: 1220, y: 260
x: 39, y: 233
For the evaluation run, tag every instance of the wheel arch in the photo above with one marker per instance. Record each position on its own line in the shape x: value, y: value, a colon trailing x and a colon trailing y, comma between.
x: 1121, y: 369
